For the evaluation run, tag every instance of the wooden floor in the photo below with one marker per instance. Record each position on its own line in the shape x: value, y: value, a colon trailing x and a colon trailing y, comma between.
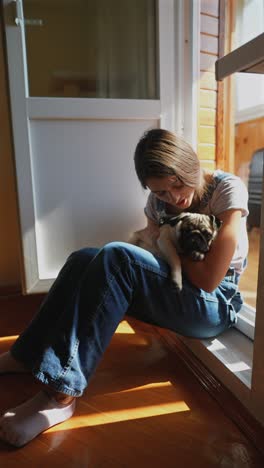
x: 142, y: 409
x: 249, y: 279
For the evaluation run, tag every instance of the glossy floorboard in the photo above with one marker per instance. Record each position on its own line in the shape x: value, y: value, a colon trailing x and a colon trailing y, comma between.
x: 142, y: 409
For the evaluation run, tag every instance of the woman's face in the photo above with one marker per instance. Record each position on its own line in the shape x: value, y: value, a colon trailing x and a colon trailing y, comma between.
x: 171, y: 190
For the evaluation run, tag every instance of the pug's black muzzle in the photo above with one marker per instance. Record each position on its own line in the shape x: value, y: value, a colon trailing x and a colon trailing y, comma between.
x: 193, y: 240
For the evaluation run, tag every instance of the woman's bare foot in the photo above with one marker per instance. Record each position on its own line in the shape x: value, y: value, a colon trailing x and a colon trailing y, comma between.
x: 9, y: 365
x: 20, y: 425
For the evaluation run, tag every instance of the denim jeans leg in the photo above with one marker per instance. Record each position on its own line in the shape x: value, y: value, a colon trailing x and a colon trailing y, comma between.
x: 28, y: 347
x: 86, y: 305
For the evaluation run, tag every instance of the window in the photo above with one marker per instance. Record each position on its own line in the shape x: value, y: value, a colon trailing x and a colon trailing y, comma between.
x: 249, y: 145
x: 248, y: 57
x: 92, y: 49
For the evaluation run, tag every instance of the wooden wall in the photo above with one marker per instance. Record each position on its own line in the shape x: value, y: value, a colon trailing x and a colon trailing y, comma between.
x: 249, y: 137
x: 208, y: 84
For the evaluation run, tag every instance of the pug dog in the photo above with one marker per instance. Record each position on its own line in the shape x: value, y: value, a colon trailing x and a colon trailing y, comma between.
x: 189, y: 234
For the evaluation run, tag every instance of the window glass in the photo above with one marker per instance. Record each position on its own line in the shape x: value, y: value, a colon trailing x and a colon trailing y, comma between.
x: 249, y: 136
x: 94, y: 49
x: 249, y: 21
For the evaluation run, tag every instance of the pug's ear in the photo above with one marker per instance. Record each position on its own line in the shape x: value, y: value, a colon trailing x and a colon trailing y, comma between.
x: 176, y: 219
x: 217, y: 223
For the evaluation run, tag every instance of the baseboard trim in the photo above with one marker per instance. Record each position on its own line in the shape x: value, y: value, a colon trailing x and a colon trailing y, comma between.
x: 231, y: 406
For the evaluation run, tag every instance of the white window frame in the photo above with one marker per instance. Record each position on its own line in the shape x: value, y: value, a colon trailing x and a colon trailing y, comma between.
x: 187, y: 68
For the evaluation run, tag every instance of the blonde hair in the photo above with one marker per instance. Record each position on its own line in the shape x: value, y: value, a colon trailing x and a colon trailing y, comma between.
x: 160, y: 153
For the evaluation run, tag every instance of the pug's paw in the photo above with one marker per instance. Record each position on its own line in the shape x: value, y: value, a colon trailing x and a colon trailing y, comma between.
x: 177, y: 280
x: 197, y: 256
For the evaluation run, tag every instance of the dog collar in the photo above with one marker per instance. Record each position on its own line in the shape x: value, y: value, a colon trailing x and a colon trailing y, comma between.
x: 171, y: 220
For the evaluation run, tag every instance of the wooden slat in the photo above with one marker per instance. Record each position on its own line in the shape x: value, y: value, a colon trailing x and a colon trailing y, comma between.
x: 207, y: 81
x: 208, y: 84
x: 206, y: 151
x: 207, y: 62
x: 221, y: 156
x: 209, y: 44
x: 248, y: 57
x: 229, y: 91
x: 209, y: 25
x: 207, y: 117
x: 208, y: 98
x: 206, y: 134
x: 210, y: 7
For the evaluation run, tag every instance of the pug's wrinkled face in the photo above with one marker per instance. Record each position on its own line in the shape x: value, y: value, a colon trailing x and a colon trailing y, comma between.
x: 194, y: 232
x: 198, y: 232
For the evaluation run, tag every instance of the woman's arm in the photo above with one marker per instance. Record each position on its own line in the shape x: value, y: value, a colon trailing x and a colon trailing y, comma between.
x: 208, y: 273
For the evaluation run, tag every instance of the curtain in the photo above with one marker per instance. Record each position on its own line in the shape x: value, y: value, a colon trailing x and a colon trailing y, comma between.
x: 126, y: 52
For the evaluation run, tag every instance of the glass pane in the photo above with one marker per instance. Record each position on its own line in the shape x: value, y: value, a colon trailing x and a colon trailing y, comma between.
x: 249, y: 137
x: 96, y: 49
x: 249, y: 20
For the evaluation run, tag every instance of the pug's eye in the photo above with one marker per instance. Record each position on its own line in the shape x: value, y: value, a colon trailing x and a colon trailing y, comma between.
x: 207, y: 235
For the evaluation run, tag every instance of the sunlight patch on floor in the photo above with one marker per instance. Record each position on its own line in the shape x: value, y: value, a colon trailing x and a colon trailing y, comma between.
x: 130, y: 414
x: 4, y: 339
x: 149, y: 386
x: 92, y: 418
x: 124, y: 327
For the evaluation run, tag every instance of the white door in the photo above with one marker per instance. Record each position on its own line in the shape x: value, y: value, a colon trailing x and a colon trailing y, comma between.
x: 87, y: 78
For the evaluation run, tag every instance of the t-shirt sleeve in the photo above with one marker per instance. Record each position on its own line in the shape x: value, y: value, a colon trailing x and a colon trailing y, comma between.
x: 150, y: 209
x: 231, y: 193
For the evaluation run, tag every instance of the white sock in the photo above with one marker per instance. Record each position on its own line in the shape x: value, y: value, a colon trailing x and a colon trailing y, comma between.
x: 21, y: 424
x: 8, y: 364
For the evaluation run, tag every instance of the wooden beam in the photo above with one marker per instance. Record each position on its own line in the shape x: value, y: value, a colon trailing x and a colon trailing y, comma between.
x: 248, y: 58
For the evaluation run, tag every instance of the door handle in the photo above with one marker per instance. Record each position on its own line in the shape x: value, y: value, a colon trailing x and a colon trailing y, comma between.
x: 33, y: 22
x: 18, y: 15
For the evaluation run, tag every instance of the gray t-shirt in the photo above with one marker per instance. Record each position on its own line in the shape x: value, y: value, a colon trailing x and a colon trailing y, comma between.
x: 226, y: 192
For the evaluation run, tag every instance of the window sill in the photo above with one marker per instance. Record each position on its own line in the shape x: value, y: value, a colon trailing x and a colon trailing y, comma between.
x: 223, y: 366
x: 246, y: 321
x: 229, y: 358
x: 235, y: 351
x: 234, y: 348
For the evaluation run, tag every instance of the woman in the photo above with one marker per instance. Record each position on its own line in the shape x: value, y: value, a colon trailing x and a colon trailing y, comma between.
x: 95, y: 289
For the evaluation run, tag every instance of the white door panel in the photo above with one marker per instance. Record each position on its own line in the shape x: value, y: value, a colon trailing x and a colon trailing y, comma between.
x: 80, y: 186
x: 74, y: 152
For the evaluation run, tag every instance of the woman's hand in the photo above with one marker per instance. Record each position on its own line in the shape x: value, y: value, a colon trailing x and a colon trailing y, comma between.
x: 208, y: 273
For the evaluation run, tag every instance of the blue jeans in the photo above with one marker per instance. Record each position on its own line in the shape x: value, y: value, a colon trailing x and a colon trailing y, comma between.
x: 94, y: 290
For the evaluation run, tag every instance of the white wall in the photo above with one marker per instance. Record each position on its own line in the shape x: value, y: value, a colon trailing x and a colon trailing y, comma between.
x: 86, y: 192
